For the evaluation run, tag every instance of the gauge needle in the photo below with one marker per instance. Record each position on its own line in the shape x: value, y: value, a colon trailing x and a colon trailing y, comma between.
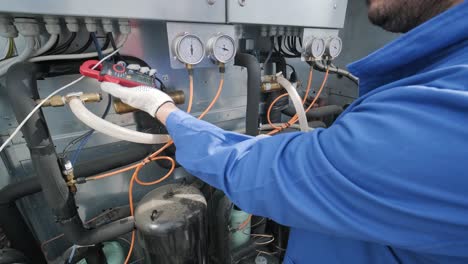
x: 191, y: 49
x: 223, y: 48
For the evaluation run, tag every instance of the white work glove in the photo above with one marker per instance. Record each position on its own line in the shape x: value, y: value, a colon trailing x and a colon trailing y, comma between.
x: 146, y: 98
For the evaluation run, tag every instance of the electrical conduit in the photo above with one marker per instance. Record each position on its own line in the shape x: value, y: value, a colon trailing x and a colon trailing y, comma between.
x: 25, y: 54
x: 121, y: 42
x: 47, y: 46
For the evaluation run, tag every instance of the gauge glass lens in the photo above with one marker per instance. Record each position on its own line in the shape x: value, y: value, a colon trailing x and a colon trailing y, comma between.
x: 334, y: 47
x: 224, y: 49
x: 190, y: 50
x: 317, y: 48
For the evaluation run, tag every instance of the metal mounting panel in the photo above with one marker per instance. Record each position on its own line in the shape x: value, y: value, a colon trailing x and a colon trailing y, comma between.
x: 204, y: 32
x: 305, y: 13
x: 213, y: 11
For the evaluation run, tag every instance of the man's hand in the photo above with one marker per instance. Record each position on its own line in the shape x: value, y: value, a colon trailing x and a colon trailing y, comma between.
x: 146, y: 98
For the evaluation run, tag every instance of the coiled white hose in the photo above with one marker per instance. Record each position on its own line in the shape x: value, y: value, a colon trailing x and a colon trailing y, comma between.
x: 113, y: 130
x: 297, y: 101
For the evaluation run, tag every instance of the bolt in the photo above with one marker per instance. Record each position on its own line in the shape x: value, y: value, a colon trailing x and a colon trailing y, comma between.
x: 242, y: 2
x: 211, y: 2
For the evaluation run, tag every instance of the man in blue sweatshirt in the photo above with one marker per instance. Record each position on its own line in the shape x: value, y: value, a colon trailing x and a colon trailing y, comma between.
x: 388, y: 181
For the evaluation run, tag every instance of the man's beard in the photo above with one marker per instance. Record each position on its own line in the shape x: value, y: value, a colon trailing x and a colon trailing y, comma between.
x: 401, y: 16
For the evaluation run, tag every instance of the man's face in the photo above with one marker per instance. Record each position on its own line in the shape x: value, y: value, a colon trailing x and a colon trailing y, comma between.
x: 403, y: 15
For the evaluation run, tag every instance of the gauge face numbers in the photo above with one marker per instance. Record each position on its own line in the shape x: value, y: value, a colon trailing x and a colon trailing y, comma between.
x: 189, y: 49
x: 317, y: 48
x: 222, y: 48
x: 335, y: 45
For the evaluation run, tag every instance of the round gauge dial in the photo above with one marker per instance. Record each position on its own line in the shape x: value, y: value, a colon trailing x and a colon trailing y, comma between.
x: 222, y: 48
x: 189, y: 49
x: 335, y: 45
x: 317, y: 48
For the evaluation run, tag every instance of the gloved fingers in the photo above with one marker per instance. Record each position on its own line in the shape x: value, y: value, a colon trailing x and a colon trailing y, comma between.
x: 115, y: 90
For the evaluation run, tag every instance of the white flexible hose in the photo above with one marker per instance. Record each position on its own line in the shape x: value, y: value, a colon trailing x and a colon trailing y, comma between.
x: 46, y: 47
x: 113, y: 130
x: 26, y: 53
x: 121, y: 42
x: 297, y: 101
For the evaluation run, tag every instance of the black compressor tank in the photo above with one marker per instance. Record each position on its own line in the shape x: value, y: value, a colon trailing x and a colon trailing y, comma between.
x: 171, y: 225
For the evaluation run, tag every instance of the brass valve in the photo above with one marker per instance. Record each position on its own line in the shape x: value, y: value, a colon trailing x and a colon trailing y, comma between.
x: 69, y: 176
x: 58, y: 100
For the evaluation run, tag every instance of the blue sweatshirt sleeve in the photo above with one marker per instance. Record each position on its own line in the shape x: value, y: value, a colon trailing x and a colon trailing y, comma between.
x: 388, y: 171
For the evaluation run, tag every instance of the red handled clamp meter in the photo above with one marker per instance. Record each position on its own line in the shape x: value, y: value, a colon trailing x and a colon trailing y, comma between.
x: 116, y: 73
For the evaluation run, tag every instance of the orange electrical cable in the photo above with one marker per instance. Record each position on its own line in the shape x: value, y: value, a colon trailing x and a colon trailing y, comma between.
x: 271, y: 107
x: 130, y: 199
x: 112, y: 173
x: 162, y: 178
x: 189, y: 106
x: 309, y: 84
x: 215, y: 99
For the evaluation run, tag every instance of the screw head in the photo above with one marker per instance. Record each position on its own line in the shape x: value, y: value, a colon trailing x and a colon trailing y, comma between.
x: 242, y: 2
x: 211, y: 2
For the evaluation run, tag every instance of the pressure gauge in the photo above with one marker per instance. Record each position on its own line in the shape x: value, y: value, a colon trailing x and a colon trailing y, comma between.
x: 189, y: 49
x: 222, y: 48
x: 334, y: 47
x: 315, y: 48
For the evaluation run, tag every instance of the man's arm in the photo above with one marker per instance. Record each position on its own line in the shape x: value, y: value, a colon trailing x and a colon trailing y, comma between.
x: 388, y: 172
